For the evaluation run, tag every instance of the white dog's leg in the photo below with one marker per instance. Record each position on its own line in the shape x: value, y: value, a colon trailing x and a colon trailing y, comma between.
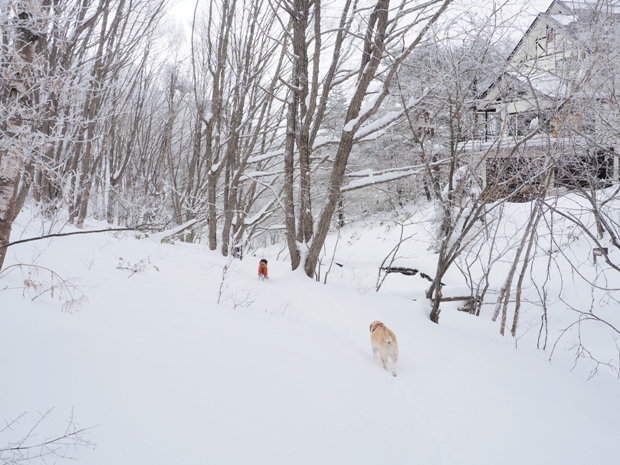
x: 394, y: 357
x: 384, y: 359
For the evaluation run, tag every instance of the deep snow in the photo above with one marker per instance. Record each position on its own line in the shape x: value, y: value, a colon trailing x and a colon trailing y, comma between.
x: 279, y: 372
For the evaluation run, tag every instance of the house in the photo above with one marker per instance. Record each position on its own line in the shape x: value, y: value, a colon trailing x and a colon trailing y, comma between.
x: 552, y: 116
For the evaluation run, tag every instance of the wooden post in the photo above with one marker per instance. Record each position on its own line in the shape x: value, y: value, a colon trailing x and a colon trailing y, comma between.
x: 599, y: 252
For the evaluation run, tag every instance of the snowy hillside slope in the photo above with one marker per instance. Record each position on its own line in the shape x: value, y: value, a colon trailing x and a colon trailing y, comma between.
x: 277, y: 372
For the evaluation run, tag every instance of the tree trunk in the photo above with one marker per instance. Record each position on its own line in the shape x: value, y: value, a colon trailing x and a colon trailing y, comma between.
x: 526, y: 262
x: 374, y: 47
x: 505, y: 292
x: 301, y: 82
x: 27, y: 174
x: 340, y: 164
x: 10, y: 167
x: 287, y: 190
x: 20, y: 97
x: 373, y: 53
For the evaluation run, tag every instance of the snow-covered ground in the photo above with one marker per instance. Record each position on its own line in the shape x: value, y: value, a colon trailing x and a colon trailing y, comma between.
x: 134, y: 344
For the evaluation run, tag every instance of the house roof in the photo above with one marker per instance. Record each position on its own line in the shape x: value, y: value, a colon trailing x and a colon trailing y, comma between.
x: 560, y: 15
x: 529, y: 29
x: 565, y: 13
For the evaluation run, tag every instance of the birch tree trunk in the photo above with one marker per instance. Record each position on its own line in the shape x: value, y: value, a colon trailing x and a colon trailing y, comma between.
x: 211, y: 60
x: 236, y: 80
x: 18, y: 137
x: 289, y: 171
x: 504, y: 295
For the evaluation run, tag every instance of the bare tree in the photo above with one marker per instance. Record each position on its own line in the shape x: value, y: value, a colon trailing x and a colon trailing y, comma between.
x: 124, y: 28
x: 447, y: 74
x: 30, y: 449
x: 236, y: 65
x: 85, y: 54
x: 22, y: 30
x: 382, y: 27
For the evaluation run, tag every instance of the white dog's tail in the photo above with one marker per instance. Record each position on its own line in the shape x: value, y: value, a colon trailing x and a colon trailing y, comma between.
x: 386, y: 335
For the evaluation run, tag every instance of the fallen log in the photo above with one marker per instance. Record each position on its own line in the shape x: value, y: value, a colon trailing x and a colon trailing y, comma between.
x: 407, y: 272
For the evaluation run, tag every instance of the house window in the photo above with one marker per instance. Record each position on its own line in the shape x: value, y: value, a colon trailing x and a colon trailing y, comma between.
x: 491, y: 125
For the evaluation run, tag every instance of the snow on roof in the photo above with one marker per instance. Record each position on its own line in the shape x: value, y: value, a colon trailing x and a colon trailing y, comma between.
x: 563, y: 20
x: 581, y: 6
x: 587, y: 4
x: 548, y: 84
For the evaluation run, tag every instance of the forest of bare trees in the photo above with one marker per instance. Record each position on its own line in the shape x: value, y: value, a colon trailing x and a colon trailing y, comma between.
x: 101, y: 119
x: 260, y: 120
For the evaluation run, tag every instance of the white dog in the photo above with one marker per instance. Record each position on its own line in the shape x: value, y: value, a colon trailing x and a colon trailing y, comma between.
x: 384, y: 343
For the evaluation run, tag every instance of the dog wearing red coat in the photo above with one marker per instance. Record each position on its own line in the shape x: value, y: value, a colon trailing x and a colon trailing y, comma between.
x: 263, y: 270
